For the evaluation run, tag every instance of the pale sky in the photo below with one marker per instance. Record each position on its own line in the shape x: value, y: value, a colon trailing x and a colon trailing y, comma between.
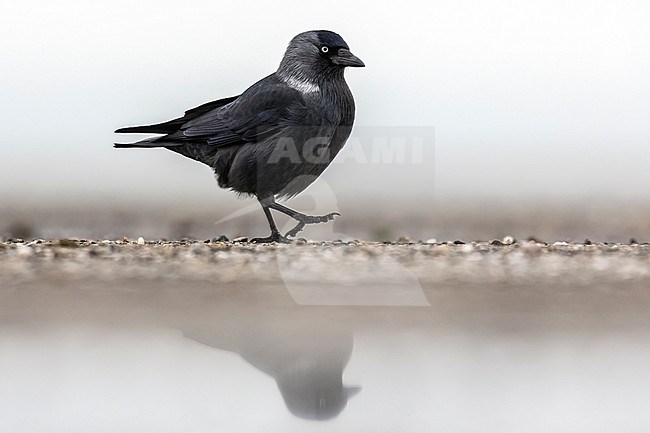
x: 527, y: 98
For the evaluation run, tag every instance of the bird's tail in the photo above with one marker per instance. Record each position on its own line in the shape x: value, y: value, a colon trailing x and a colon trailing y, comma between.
x: 172, y: 126
x: 160, y: 128
x: 143, y: 144
x: 127, y: 145
x: 169, y: 127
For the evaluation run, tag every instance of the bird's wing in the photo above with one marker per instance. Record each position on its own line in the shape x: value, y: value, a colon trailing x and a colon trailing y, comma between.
x: 259, y: 112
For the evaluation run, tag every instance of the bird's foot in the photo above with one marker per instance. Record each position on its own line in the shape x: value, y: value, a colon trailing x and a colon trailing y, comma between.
x: 310, y: 219
x: 275, y: 237
x: 294, y: 231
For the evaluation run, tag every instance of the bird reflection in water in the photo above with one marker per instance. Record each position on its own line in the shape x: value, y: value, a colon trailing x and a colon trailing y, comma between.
x: 303, y: 348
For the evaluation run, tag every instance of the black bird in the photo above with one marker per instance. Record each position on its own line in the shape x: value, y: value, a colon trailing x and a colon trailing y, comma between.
x: 278, y: 136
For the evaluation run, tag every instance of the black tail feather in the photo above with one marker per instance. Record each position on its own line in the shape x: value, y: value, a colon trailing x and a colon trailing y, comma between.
x: 143, y: 144
x: 161, y: 128
x: 172, y: 126
x: 149, y: 143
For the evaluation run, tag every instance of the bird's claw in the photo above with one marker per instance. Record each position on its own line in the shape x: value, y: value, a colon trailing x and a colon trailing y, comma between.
x: 310, y: 219
x: 313, y: 219
x: 294, y: 231
x: 275, y: 237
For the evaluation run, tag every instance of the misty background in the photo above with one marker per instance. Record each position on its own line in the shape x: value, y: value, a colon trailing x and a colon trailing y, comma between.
x: 534, y: 113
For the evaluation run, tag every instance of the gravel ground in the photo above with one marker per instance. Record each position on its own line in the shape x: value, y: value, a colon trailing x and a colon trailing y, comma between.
x: 504, y: 262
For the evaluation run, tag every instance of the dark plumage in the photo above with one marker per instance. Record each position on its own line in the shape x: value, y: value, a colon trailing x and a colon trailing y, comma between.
x: 278, y: 136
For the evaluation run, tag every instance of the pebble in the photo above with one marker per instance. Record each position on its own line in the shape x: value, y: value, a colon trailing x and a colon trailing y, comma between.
x: 467, y: 248
x: 141, y: 241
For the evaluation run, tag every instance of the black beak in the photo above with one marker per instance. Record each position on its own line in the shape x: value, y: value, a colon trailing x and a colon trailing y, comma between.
x: 346, y: 58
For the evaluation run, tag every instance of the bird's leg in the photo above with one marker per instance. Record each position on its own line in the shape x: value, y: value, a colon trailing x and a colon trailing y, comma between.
x: 266, y: 202
x: 301, y: 218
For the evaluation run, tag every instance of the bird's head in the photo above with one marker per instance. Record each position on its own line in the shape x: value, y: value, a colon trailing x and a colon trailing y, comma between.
x: 317, y: 53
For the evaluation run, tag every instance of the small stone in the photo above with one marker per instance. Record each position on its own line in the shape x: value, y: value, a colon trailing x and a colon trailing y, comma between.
x: 431, y: 241
x: 532, y: 246
x: 561, y: 244
x: 508, y: 240
x: 459, y: 242
x: 467, y: 248
x: 403, y: 240
x: 240, y: 239
x: 633, y: 242
x: 496, y: 242
x: 222, y: 238
x: 140, y: 240
x: 587, y: 242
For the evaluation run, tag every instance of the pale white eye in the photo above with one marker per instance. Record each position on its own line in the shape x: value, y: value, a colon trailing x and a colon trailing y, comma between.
x: 324, y: 49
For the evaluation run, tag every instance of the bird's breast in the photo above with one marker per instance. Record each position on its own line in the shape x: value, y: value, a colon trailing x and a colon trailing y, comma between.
x: 335, y: 104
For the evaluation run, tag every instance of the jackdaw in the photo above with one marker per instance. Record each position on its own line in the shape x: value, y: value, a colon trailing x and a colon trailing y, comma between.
x: 277, y: 137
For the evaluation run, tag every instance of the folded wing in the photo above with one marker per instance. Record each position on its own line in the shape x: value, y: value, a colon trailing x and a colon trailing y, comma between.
x: 264, y: 109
